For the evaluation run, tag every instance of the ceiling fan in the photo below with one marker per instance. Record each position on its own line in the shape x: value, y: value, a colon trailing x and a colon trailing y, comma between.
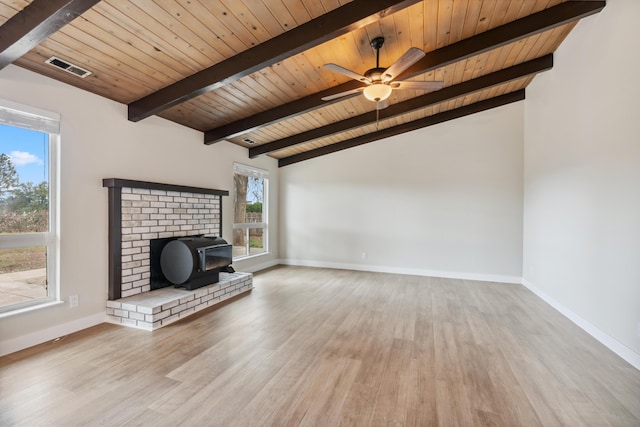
x: 379, y: 81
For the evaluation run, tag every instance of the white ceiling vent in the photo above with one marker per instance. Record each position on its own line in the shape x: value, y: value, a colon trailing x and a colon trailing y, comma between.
x: 68, y: 67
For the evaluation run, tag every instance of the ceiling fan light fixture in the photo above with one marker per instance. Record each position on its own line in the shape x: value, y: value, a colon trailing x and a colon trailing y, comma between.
x: 377, y: 92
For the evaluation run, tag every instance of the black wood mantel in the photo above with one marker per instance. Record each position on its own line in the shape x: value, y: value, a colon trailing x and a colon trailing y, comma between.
x: 115, y: 186
x: 119, y: 183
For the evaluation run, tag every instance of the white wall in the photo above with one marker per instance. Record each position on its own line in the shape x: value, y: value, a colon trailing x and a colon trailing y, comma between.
x: 582, y: 178
x: 444, y: 200
x: 97, y: 141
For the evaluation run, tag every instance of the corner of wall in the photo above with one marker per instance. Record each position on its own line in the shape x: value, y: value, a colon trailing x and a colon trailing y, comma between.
x: 611, y: 343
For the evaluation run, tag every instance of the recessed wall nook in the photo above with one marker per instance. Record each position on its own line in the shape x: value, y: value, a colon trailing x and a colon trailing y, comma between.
x: 141, y: 211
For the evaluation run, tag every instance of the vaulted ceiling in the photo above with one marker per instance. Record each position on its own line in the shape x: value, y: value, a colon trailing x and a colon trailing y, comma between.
x: 252, y: 71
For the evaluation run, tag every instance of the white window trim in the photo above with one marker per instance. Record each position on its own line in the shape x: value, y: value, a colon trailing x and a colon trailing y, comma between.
x: 257, y: 173
x: 250, y: 171
x: 27, y: 117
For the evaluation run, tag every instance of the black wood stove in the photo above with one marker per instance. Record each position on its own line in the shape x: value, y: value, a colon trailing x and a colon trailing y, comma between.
x: 188, y: 262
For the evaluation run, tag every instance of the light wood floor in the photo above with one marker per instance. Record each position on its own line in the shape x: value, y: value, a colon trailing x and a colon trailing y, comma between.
x: 332, y: 347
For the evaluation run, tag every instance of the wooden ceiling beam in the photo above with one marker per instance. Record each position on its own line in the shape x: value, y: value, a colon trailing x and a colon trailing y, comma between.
x: 509, y: 33
x: 499, y: 36
x: 477, y: 107
x: 342, y: 20
x: 446, y: 94
x: 33, y: 24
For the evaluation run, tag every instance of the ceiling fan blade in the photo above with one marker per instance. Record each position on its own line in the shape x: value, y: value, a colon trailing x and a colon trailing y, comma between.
x: 381, y: 105
x: 409, y: 58
x: 417, y: 85
x: 341, y: 94
x: 351, y: 74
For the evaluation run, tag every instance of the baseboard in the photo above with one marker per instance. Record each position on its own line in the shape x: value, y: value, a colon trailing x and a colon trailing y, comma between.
x: 481, y: 277
x: 39, y: 337
x: 614, y: 345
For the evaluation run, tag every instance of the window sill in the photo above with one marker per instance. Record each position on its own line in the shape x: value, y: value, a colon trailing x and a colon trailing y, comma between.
x: 248, y: 257
x: 29, y: 308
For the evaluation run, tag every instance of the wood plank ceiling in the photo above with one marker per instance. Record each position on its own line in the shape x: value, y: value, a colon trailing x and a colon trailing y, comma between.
x: 252, y: 70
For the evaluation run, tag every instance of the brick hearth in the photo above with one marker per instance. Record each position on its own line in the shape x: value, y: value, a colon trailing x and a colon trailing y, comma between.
x: 160, y: 307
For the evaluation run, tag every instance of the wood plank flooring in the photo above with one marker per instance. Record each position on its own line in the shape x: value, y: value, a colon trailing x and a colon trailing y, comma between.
x: 332, y: 347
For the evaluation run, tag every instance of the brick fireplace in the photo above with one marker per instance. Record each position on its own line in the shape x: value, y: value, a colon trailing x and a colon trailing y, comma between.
x: 140, y: 211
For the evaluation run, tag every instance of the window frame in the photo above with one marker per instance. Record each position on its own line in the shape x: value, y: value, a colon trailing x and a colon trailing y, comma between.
x: 26, y: 117
x: 251, y: 171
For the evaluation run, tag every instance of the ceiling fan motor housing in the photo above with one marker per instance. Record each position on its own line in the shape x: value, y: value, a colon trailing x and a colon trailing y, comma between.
x: 375, y: 74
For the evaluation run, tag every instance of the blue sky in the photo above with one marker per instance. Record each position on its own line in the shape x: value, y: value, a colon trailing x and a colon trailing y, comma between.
x: 28, y: 151
x: 255, y: 188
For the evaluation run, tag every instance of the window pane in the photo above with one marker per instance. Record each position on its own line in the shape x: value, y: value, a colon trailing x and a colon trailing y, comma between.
x: 23, y: 273
x: 255, y: 195
x: 239, y: 242
x: 24, y: 180
x: 256, y: 245
x: 248, y: 241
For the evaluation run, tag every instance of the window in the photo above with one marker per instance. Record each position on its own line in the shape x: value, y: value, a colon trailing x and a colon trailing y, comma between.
x: 28, y: 236
x: 250, y: 219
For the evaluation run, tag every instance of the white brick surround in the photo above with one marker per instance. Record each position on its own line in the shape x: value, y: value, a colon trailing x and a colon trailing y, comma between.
x: 160, y: 307
x: 140, y: 211
x: 152, y: 214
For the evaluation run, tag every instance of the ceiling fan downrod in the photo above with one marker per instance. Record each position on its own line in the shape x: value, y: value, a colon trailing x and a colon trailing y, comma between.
x: 377, y: 44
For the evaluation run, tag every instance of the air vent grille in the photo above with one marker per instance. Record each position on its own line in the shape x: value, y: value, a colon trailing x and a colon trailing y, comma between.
x: 68, y: 67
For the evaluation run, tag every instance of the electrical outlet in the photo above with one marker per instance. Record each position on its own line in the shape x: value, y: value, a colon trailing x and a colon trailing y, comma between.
x: 364, y: 255
x: 73, y: 301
